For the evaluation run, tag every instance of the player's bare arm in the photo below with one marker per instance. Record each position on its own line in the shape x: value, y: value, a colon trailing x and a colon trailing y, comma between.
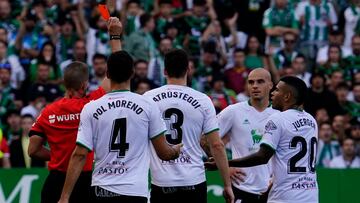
x: 37, y: 149
x: 114, y: 29
x: 76, y: 164
x: 165, y: 151
x: 217, y: 149
x: 260, y: 157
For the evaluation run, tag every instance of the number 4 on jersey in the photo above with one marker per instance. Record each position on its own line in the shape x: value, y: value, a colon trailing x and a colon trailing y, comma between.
x: 118, y: 137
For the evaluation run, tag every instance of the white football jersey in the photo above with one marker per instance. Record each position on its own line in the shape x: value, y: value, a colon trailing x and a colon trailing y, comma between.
x: 118, y: 127
x: 245, y: 126
x: 293, y: 134
x: 188, y: 114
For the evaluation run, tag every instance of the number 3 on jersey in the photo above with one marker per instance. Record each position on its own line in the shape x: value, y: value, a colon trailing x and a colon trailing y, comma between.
x: 118, y: 137
x: 174, y: 118
x: 292, y: 168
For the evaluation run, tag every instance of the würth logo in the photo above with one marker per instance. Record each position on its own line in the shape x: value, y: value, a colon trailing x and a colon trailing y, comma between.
x: 52, y: 118
x: 62, y: 118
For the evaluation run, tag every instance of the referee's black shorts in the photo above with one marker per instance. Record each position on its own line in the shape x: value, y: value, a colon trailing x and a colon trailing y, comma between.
x: 186, y: 194
x: 247, y: 197
x: 54, y: 183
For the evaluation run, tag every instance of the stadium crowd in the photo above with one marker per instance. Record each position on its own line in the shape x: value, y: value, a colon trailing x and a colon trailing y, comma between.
x: 316, y: 40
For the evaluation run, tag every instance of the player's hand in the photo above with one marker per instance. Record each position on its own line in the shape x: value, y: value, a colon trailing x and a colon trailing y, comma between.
x: 114, y: 26
x: 237, y: 175
x: 177, y: 149
x: 210, y: 165
x: 228, y: 195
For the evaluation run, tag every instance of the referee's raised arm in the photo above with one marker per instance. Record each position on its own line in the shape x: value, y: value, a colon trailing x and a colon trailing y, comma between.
x: 114, y: 29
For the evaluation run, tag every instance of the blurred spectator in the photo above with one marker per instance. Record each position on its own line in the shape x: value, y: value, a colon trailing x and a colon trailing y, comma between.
x: 141, y: 44
x: 142, y: 87
x: 348, y: 159
x: 7, y: 93
x: 141, y: 70
x: 299, y: 67
x: 29, y: 39
x: 352, y: 25
x: 316, y: 17
x: 220, y: 96
x: 254, y: 54
x: 353, y: 61
x: 355, y: 135
x: 163, y: 17
x: 236, y: 76
x: 43, y: 86
x: 172, y: 31
x: 46, y: 55
x: 36, y: 103
x: 278, y: 20
x: 339, y: 127
x: 192, y: 80
x: 196, y: 23
x: 351, y: 108
x: 156, y: 64
x: 97, y: 39
x: 19, y: 143
x: 327, y: 148
x: 79, y: 54
x: 131, y: 20
x: 12, y: 63
x: 4, y: 152
x: 336, y: 38
x: 322, y: 116
x: 208, y: 66
x: 285, y: 56
x: 319, y: 97
x: 334, y: 62
x: 99, y: 67
x: 335, y: 79
x: 251, y: 16
x: 6, y: 19
x: 66, y: 40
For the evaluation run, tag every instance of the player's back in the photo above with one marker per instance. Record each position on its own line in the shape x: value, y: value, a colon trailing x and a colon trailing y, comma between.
x: 188, y: 114
x: 118, y: 127
x: 293, y: 134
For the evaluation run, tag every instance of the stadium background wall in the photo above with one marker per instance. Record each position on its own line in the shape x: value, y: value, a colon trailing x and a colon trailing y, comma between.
x: 336, y: 186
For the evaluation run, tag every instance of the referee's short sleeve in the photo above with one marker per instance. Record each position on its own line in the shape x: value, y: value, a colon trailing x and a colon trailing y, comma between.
x: 156, y: 123
x: 84, y: 135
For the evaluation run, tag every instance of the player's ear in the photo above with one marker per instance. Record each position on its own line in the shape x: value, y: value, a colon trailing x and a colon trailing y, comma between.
x: 165, y: 72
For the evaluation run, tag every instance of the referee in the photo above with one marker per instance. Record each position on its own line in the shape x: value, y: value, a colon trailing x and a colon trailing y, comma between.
x: 58, y: 125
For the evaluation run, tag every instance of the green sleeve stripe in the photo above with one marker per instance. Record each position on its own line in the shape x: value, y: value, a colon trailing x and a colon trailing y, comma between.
x: 160, y: 134
x: 216, y: 129
x: 263, y: 143
x: 82, y: 145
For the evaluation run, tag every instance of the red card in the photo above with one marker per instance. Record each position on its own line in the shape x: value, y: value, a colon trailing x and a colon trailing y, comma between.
x: 104, y: 11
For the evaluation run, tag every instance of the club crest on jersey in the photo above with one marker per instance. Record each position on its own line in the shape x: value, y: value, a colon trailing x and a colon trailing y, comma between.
x: 52, y: 118
x: 270, y: 126
x: 246, y: 121
x: 256, y: 137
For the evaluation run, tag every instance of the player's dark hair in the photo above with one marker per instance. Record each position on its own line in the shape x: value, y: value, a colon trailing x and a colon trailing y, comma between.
x: 120, y: 67
x: 176, y: 63
x: 298, y: 87
x: 75, y: 74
